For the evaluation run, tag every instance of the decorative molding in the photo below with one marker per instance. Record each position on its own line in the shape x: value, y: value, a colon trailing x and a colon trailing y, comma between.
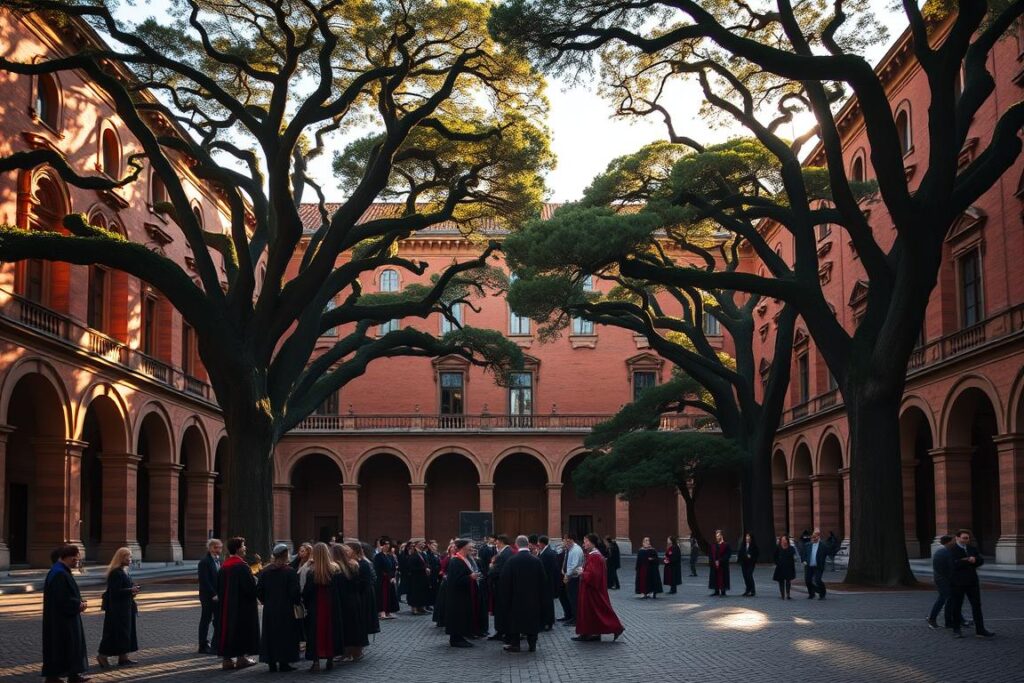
x: 801, y: 338
x: 40, y: 141
x: 825, y: 273
x: 763, y: 331
x: 908, y: 170
x: 583, y: 341
x: 644, y: 361
x: 859, y: 294
x: 761, y: 309
x: 157, y: 234
x: 967, y: 153
x: 113, y: 199
x: 966, y: 230
x: 824, y: 249
x: 641, y: 341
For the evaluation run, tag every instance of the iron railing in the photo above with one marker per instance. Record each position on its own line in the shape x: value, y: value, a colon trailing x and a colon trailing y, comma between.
x: 483, y: 422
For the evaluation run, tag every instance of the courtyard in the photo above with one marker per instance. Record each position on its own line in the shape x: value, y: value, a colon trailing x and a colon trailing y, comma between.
x: 686, y: 637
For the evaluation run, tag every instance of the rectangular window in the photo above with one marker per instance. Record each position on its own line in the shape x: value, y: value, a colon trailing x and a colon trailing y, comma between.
x: 187, y: 349
x: 333, y: 332
x: 832, y: 383
x: 452, y: 400
x: 643, y: 380
x: 389, y: 326
x: 329, y: 406
x: 520, y: 399
x: 582, y: 327
x: 149, y: 322
x: 517, y: 324
x: 35, y: 274
x: 447, y: 325
x: 96, y: 316
x: 970, y: 289
x: 824, y: 230
x: 804, y: 378
x: 712, y: 327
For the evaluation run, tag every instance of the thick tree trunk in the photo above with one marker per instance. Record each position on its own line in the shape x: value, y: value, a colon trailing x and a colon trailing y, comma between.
x: 878, y: 551
x: 690, y: 498
x: 759, y: 510
x: 249, y: 478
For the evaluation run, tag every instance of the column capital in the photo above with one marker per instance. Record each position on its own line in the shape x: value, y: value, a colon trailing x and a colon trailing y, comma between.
x: 952, y: 453
x: 485, y: 485
x: 56, y: 442
x: 169, y: 467
x: 5, y: 431
x: 283, y: 488
x: 844, y: 472
x: 1005, y: 440
x: 798, y: 483
x: 116, y: 459
x: 346, y: 486
x: 815, y: 478
x: 417, y: 487
x: 554, y: 487
x: 200, y: 476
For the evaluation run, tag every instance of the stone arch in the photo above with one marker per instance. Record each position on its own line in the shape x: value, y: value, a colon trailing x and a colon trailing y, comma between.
x: 830, y: 447
x: 481, y: 470
x: 37, y: 366
x: 452, y: 479
x: 357, y: 466
x: 520, y: 479
x: 583, y: 515
x: 316, y: 506
x: 286, y: 468
x: 102, y: 427
x: 156, y: 502
x: 563, y: 462
x: 780, y: 498
x: 801, y: 498
x: 155, y: 412
x: 970, y: 388
x: 1015, y: 406
x: 384, y: 476
x: 828, y: 492
x: 521, y: 449
x: 802, y: 467
x: 194, y: 501
x: 198, y: 442
x: 917, y: 438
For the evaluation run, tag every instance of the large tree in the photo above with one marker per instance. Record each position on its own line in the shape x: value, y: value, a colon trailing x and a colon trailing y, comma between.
x: 631, y: 212
x: 759, y: 64
x: 248, y: 92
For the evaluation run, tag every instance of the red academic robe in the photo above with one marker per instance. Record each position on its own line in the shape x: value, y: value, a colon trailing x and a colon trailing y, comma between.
x: 594, y: 613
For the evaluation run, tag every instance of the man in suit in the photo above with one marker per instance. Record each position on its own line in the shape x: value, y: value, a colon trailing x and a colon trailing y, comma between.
x: 523, y: 588
x: 813, y: 554
x: 964, y: 582
x: 208, y: 568
x: 942, y: 573
x: 504, y: 553
x: 553, y: 570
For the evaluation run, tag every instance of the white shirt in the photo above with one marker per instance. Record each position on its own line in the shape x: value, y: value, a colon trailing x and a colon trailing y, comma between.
x: 574, y: 560
x: 813, y: 560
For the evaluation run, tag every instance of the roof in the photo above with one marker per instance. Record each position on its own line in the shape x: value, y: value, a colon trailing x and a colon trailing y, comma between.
x: 310, y: 215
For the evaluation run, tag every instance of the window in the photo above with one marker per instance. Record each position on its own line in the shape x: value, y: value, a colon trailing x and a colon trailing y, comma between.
x: 389, y: 326
x: 48, y: 101
x: 452, y: 398
x: 388, y: 281
x: 35, y: 277
x: 832, y: 383
x: 824, y: 230
x: 712, y: 327
x: 857, y: 174
x: 803, y: 371
x: 158, y: 190
x: 198, y: 213
x: 149, y: 325
x: 643, y: 380
x: 903, y: 131
x: 333, y: 332
x: 517, y: 324
x: 520, y: 399
x: 329, y: 406
x: 446, y: 324
x: 970, y: 289
x: 581, y: 326
x: 188, y: 349
x: 588, y: 283
x: 96, y: 315
x: 111, y: 153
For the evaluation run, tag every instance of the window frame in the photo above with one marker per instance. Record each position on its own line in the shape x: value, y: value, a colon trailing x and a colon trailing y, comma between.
x: 101, y: 324
x: 972, y: 255
x: 51, y: 123
x: 637, y: 389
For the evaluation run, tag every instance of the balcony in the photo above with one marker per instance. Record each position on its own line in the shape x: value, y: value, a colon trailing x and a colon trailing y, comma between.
x: 27, y: 315
x: 419, y: 422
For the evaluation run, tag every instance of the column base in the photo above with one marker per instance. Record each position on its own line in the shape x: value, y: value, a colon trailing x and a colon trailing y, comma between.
x: 163, y: 551
x: 5, y: 556
x: 196, y: 551
x: 104, y: 552
x: 1010, y: 550
x: 625, y: 546
x: 39, y: 553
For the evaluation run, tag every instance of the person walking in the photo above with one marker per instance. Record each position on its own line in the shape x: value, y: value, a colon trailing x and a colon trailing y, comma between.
x: 64, y: 649
x: 571, y: 569
x: 525, y: 590
x: 614, y: 562
x: 964, y: 581
x: 747, y: 557
x: 942, y: 574
x: 462, y: 598
x: 119, y: 611
x: 785, y: 566
x: 719, y: 554
x: 594, y: 615
x: 238, y: 630
x: 814, y: 554
x: 277, y: 589
x: 673, y: 564
x: 694, y: 554
x: 207, y: 570
x: 322, y: 599
x: 648, y: 577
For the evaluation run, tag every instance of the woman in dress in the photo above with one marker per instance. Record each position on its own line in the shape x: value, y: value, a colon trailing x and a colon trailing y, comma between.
x: 322, y: 598
x: 673, y: 564
x: 785, y: 566
x: 356, y: 628
x: 747, y: 557
x: 648, y: 579
x: 719, y: 554
x: 119, y: 637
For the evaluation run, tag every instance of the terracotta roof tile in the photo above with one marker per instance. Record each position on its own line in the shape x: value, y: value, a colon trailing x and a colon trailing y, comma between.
x: 310, y: 215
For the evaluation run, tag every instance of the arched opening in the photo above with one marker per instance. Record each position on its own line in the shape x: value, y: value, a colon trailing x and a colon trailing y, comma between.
x: 973, y: 423
x: 719, y: 506
x: 35, y: 504
x: 220, y: 512
x: 384, y: 498
x: 47, y: 104
x: 152, y: 494
x: 44, y: 282
x: 520, y: 496
x: 831, y: 513
x: 192, y: 505
x: 103, y: 432
x: 654, y: 513
x: 316, y: 509
x: 111, y: 153
x: 593, y: 514
x: 904, y: 132
x: 452, y: 481
x: 915, y: 443
x: 857, y: 172
x: 157, y: 190
x: 780, y: 499
x: 801, y: 502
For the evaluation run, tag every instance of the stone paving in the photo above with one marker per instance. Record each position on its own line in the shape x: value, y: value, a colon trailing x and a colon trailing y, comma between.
x: 686, y: 637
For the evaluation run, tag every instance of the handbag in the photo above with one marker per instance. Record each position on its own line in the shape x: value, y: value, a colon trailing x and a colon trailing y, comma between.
x: 300, y: 611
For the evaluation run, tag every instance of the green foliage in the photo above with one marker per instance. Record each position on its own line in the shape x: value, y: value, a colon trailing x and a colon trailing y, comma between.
x: 644, y: 413
x: 501, y: 356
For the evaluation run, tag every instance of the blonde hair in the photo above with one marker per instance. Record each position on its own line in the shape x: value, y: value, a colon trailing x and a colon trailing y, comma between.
x: 323, y: 566
x: 117, y: 561
x: 342, y: 555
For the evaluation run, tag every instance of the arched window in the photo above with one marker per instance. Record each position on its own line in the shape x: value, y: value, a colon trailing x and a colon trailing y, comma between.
x: 903, y: 131
x: 47, y: 104
x: 198, y: 213
x: 857, y: 170
x: 98, y: 220
x: 388, y: 280
x: 157, y: 189
x: 111, y: 153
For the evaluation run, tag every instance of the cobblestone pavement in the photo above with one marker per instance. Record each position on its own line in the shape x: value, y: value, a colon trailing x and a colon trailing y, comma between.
x: 685, y: 637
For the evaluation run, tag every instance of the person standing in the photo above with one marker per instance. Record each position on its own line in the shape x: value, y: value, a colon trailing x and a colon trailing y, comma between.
x: 747, y: 557
x: 119, y: 610
x: 462, y: 599
x: 942, y: 573
x: 785, y: 566
x: 614, y: 562
x: 694, y: 553
x: 964, y: 581
x: 238, y: 630
x: 595, y: 615
x: 673, y: 564
x: 368, y: 587
x: 301, y: 556
x: 322, y: 598
x: 719, y: 554
x: 416, y: 578
x: 553, y: 572
x: 277, y: 588
x: 64, y: 649
x: 385, y: 565
x: 572, y: 568
x: 356, y: 634
x: 648, y: 579
x: 499, y: 607
x: 525, y: 590
x: 814, y: 554
x: 208, y: 568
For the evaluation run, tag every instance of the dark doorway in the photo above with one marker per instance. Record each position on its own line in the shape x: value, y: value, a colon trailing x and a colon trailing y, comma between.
x: 17, y: 534
x: 581, y: 525
x: 520, y: 496
x: 326, y: 528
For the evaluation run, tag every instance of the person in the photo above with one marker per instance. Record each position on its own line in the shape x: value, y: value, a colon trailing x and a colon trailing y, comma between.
x: 673, y: 564
x: 594, y: 615
x: 785, y: 566
x: 119, y: 611
x: 813, y: 554
x: 385, y: 565
x: 498, y: 606
x: 964, y: 582
x: 416, y: 577
x: 207, y: 569
x: 301, y: 556
x: 524, y: 589
x: 833, y: 548
x: 322, y: 599
x: 64, y: 649
x: 434, y: 574
x: 719, y: 554
x: 368, y: 587
x: 482, y: 623
x: 572, y: 567
x: 648, y: 580
x: 534, y: 540
x: 238, y: 631
x: 356, y: 632
x: 942, y: 573
x: 614, y: 562
x: 694, y: 553
x: 553, y: 572
x: 277, y: 589
x: 462, y: 600
x: 747, y: 557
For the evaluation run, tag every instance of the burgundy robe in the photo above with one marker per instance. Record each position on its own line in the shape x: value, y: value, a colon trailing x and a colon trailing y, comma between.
x: 594, y: 613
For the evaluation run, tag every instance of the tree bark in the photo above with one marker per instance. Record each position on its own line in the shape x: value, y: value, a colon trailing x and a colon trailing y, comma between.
x: 249, y: 477
x: 759, y: 510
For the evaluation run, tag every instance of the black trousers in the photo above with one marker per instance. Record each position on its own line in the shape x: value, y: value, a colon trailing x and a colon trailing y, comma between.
x: 973, y: 595
x: 784, y: 586
x: 563, y: 600
x: 812, y: 577
x: 574, y: 593
x: 748, y: 577
x: 613, y: 578
x: 207, y: 617
x: 515, y: 638
x: 693, y: 564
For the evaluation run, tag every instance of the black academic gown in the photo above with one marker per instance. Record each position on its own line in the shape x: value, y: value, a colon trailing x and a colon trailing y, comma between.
x: 416, y: 580
x: 119, y: 636
x: 325, y: 636
x: 368, y: 596
x: 553, y: 575
x: 462, y: 600
x: 648, y: 576
x: 674, y: 565
x: 238, y: 631
x: 387, y: 596
x: 718, y: 577
x: 434, y: 580
x: 524, y: 588
x: 278, y: 589
x: 352, y: 616
x: 499, y: 606
x: 64, y: 649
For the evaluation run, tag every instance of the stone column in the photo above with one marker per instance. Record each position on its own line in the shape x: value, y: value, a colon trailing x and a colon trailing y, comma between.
x: 164, y: 545
x: 350, y: 510
x: 825, y: 496
x: 554, y: 510
x: 56, y: 507
x: 952, y: 489
x: 1010, y: 547
x: 622, y: 526
x: 799, y: 505
x: 909, y: 473
x: 418, y: 511
x: 199, y: 515
x: 779, y: 498
x: 844, y: 473
x: 120, y: 484
x: 283, y: 514
x: 486, y: 489
x: 5, y: 552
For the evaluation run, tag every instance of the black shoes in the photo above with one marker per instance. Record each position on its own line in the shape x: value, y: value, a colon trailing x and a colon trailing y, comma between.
x: 984, y: 634
x: 460, y: 643
x: 586, y: 639
x: 932, y: 624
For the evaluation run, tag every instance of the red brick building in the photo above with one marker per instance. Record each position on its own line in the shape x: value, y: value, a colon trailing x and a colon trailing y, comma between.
x: 110, y: 435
